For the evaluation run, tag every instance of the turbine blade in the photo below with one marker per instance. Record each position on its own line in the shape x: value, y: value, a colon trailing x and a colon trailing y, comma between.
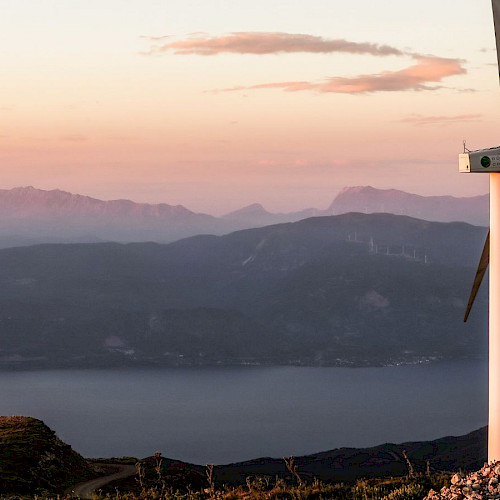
x: 496, y: 20
x: 481, y: 270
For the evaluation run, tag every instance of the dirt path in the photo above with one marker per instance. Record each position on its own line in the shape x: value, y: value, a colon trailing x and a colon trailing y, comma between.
x: 115, y: 471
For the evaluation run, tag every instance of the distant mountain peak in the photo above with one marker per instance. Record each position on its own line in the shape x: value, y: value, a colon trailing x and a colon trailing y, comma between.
x: 356, y: 190
x: 253, y: 209
x: 367, y: 199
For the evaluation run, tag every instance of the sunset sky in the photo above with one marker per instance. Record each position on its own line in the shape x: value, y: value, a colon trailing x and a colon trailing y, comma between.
x: 218, y: 104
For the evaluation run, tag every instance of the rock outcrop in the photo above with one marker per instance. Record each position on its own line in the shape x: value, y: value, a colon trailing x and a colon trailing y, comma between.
x: 480, y: 485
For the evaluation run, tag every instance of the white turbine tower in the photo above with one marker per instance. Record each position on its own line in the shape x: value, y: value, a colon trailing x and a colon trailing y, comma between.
x: 488, y: 161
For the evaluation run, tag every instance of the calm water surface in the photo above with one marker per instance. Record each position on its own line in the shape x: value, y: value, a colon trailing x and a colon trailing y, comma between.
x: 221, y: 415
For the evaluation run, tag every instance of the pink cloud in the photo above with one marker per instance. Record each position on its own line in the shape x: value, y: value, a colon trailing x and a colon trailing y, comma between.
x: 427, y: 120
x: 267, y: 43
x: 426, y: 70
x: 229, y: 89
x: 157, y: 38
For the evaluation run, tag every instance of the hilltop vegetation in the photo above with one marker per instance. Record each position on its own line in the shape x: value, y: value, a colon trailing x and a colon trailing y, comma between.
x: 34, y: 460
x: 154, y: 486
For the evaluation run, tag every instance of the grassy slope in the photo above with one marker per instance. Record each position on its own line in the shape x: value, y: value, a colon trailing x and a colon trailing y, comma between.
x: 33, y: 459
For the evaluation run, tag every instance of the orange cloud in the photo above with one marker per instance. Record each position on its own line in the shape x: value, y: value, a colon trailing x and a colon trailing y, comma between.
x: 426, y: 120
x: 157, y: 38
x: 427, y: 70
x: 267, y: 43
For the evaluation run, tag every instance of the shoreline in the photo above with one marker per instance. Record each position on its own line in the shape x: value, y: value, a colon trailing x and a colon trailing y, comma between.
x: 27, y: 365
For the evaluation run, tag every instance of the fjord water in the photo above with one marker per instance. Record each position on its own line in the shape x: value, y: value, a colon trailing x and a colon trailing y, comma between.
x: 222, y: 415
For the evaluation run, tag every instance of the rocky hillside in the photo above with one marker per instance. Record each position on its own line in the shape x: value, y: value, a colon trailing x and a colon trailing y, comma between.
x: 33, y: 459
x: 478, y: 485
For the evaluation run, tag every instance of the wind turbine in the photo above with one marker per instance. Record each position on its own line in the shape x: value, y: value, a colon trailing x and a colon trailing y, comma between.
x: 488, y: 161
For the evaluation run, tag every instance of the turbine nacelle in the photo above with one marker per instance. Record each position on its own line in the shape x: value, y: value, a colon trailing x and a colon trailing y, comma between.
x: 482, y: 160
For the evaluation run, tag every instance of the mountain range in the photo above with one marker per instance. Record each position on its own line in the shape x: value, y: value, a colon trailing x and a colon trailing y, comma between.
x: 30, y: 216
x: 369, y: 200
x: 347, y: 290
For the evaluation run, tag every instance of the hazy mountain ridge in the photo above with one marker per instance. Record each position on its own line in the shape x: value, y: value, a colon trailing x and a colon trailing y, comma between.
x: 367, y: 199
x: 58, y: 216
x: 255, y: 215
x: 344, y: 290
x: 29, y: 202
x: 31, y: 216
